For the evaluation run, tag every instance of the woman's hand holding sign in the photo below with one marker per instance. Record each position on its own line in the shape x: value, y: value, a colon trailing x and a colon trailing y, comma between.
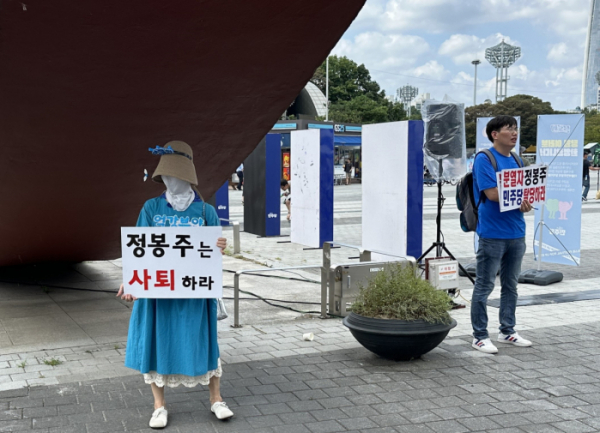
x: 125, y: 297
x: 222, y: 244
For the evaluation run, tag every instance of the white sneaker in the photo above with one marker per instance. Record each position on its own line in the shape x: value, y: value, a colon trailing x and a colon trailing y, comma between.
x: 221, y: 410
x: 159, y: 418
x: 485, y: 345
x: 514, y: 339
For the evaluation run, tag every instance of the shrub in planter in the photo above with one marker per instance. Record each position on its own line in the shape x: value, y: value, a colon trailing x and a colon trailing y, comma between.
x: 400, y: 316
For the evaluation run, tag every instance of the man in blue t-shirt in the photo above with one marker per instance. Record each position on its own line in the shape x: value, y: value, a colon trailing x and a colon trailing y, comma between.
x: 501, y: 239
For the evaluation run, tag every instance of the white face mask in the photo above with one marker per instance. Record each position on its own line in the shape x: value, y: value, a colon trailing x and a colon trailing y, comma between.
x: 179, y: 193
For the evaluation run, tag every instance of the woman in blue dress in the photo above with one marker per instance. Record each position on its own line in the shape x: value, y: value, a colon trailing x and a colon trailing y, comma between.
x: 173, y: 342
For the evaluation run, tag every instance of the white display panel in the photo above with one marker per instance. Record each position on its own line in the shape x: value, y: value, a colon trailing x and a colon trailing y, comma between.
x: 384, y: 188
x: 305, y: 161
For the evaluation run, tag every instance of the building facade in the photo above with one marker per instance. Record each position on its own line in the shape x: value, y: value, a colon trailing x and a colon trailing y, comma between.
x: 590, y: 95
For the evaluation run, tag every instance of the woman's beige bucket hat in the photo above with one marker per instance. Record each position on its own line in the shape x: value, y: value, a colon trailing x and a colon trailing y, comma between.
x: 178, y: 164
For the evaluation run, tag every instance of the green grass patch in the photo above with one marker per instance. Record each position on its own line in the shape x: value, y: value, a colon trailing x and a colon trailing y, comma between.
x: 400, y: 294
x: 53, y: 362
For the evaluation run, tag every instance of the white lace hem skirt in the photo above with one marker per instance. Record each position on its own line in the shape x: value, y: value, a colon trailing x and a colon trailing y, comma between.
x: 174, y: 380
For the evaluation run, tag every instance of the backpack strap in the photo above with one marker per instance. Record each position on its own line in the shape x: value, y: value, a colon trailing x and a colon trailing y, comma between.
x: 492, y: 158
x: 517, y: 159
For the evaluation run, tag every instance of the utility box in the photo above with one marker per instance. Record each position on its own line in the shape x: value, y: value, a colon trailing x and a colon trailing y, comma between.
x: 345, y: 281
x: 443, y: 274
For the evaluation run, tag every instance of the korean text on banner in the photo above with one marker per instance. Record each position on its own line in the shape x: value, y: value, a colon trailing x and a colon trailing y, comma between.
x: 172, y: 262
x: 518, y: 184
x: 560, y: 145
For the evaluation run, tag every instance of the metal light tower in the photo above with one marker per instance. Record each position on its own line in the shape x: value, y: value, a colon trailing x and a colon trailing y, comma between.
x: 501, y: 57
x: 475, y: 62
x: 406, y: 94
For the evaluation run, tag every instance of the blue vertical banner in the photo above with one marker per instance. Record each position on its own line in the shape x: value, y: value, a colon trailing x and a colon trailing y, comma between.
x: 560, y: 145
x: 326, y: 187
x: 222, y: 203
x: 272, y: 185
x: 414, y: 193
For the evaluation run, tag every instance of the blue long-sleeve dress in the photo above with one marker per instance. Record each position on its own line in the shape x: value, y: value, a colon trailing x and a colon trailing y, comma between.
x: 173, y: 342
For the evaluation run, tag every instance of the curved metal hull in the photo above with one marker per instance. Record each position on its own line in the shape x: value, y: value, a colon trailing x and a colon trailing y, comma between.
x: 87, y: 87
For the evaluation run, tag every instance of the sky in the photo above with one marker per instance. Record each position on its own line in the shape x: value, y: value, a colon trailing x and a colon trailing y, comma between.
x: 430, y: 44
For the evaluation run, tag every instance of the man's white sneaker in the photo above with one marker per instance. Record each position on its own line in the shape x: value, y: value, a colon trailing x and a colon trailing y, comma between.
x: 485, y: 345
x: 159, y: 418
x: 514, y: 339
x: 221, y: 410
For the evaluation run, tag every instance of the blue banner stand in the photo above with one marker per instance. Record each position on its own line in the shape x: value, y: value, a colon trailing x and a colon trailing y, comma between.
x: 222, y: 203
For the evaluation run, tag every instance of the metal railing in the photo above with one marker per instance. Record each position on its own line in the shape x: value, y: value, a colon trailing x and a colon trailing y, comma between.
x: 364, y: 256
x: 236, y: 234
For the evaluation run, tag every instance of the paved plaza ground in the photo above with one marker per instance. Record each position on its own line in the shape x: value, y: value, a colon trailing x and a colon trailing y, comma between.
x: 276, y: 382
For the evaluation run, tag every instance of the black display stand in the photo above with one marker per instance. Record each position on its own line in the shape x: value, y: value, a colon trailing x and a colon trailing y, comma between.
x: 440, y: 247
x: 262, y: 175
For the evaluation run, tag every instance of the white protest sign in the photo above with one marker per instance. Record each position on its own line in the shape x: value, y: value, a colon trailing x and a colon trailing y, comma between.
x: 518, y: 184
x: 172, y: 262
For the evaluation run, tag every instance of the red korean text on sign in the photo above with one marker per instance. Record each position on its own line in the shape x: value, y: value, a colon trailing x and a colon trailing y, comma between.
x: 165, y: 279
x: 506, y: 179
x: 136, y: 279
x: 520, y: 178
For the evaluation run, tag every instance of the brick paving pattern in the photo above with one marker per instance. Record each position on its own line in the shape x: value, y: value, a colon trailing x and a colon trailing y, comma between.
x: 553, y: 386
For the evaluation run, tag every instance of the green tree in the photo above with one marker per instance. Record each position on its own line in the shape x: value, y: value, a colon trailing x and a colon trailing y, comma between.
x: 347, y: 80
x: 354, y: 96
x: 361, y: 109
x: 526, y: 106
x: 592, y: 128
x: 396, y: 111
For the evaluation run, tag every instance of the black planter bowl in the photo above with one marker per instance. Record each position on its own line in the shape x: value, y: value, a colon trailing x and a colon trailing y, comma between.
x: 399, y: 340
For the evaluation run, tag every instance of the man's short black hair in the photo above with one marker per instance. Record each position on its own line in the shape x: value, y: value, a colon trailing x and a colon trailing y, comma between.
x: 497, y: 123
x: 283, y: 182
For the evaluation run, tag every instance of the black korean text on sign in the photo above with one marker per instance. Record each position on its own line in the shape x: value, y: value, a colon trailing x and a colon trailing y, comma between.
x: 192, y: 282
x: 543, y: 173
x: 158, y: 244
x: 183, y: 243
x: 536, y: 176
x: 140, y: 243
x: 204, y: 249
x: 527, y: 177
x: 189, y: 281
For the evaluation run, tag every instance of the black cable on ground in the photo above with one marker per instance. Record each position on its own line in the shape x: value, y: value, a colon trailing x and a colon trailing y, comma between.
x: 306, y: 280
x: 268, y: 301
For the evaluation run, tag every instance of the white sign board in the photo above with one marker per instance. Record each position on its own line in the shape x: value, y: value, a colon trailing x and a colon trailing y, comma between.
x: 305, y: 162
x: 518, y: 184
x: 172, y: 262
x: 384, y: 186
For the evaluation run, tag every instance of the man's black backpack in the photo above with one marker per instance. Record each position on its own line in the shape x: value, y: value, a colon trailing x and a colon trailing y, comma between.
x: 465, y: 200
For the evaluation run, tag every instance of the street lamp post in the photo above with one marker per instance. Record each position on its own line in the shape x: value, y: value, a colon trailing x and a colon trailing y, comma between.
x: 475, y: 62
x: 327, y: 90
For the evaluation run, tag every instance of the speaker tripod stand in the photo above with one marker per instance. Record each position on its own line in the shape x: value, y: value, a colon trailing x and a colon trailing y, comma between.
x: 439, y: 245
